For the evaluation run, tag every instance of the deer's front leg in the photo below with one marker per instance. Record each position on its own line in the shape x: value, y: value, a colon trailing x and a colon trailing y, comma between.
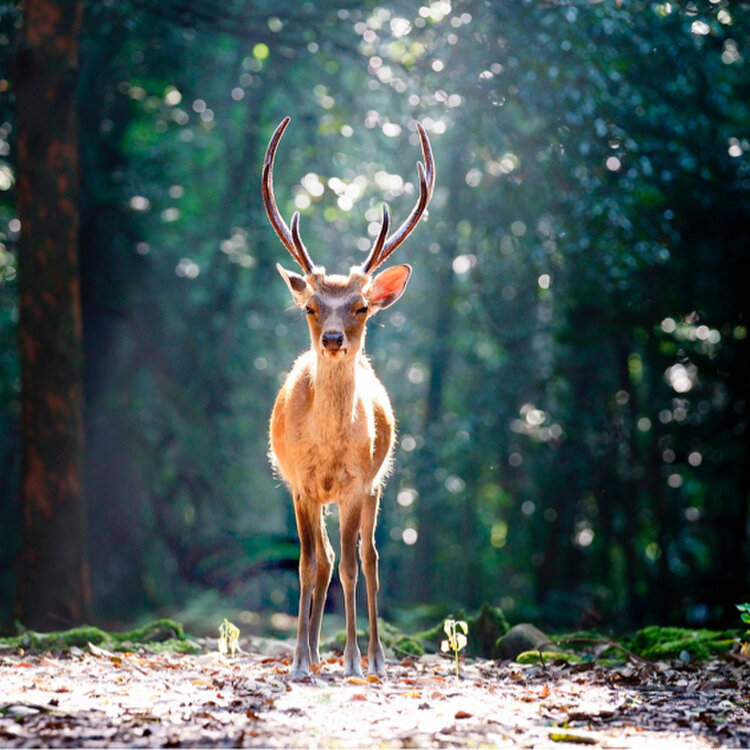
x: 350, y: 521
x: 325, y: 557
x: 308, y: 528
x: 369, y: 555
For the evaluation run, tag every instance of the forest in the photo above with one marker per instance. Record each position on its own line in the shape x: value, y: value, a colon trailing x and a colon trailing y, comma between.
x: 569, y: 365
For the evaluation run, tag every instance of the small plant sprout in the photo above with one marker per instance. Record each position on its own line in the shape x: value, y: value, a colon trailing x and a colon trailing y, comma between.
x: 229, y: 634
x: 455, y: 641
x: 745, y: 616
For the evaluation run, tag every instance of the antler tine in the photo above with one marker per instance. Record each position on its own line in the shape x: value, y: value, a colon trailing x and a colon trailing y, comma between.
x: 299, y: 245
x: 426, y: 174
x: 379, y: 242
x: 291, y: 240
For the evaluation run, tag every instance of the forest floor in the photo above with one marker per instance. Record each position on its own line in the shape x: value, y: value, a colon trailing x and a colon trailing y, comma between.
x: 95, y: 698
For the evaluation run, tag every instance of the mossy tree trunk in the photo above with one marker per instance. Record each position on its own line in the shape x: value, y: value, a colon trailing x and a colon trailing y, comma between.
x: 53, y: 577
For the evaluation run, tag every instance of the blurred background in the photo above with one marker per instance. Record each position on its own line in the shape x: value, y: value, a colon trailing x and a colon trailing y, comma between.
x: 569, y: 365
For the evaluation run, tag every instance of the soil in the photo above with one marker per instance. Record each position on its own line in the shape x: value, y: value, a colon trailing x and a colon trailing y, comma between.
x: 96, y: 698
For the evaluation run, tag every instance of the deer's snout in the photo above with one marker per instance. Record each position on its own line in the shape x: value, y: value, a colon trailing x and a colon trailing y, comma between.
x: 332, y: 340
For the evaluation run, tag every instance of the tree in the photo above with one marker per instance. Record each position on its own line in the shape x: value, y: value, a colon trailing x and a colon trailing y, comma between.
x: 53, y: 581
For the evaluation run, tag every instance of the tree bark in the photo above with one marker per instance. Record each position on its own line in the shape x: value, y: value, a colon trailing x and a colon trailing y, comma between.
x: 53, y: 578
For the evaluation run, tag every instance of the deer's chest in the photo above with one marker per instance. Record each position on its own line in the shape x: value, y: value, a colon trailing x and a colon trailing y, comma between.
x: 337, y: 458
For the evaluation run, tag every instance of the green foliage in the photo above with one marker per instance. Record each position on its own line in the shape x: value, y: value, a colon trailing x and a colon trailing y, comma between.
x: 400, y: 643
x: 159, y: 635
x: 745, y: 617
x: 548, y: 657
x: 656, y: 642
x: 569, y: 366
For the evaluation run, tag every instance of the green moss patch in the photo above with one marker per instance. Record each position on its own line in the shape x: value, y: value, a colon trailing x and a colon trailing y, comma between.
x: 159, y: 635
x: 657, y: 642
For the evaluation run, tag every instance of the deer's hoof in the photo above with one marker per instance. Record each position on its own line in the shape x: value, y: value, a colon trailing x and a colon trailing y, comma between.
x: 376, y: 664
x: 300, y: 669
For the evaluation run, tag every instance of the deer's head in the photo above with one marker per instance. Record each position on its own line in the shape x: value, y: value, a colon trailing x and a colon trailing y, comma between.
x: 336, y: 306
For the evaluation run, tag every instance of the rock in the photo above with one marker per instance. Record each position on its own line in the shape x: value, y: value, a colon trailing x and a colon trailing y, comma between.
x: 270, y: 647
x: 520, y: 638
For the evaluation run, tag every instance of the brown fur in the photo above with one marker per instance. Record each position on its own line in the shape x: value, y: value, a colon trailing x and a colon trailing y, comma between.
x: 332, y: 434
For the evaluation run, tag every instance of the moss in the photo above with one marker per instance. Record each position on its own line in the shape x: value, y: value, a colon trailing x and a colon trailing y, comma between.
x: 402, y: 644
x: 657, y: 642
x: 534, y: 657
x: 159, y: 635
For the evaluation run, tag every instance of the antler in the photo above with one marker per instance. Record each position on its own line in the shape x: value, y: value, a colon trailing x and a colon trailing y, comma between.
x: 291, y: 239
x: 384, y: 247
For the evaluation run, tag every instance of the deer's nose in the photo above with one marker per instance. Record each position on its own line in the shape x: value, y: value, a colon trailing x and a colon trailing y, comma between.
x: 333, y: 340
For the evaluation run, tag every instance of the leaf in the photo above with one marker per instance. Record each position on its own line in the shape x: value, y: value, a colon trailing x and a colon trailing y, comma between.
x: 356, y: 681
x: 96, y: 651
x: 445, y: 646
x: 461, y: 641
x: 228, y: 637
x: 462, y: 624
x: 462, y: 715
x: 373, y: 679
x: 449, y: 627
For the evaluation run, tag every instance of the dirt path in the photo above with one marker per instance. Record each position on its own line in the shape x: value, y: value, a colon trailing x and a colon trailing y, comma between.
x: 146, y: 700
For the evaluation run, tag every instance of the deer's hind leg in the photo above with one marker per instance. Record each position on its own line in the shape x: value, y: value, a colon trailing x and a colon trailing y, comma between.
x: 369, y: 556
x: 349, y: 520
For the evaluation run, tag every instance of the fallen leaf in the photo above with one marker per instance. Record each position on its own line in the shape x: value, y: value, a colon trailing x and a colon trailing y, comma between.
x: 462, y: 715
x: 359, y: 697
x: 545, y: 691
x: 373, y: 678
x: 356, y: 681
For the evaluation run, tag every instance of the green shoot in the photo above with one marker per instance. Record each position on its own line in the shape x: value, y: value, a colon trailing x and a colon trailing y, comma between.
x: 455, y: 641
x: 745, y: 616
x: 229, y: 634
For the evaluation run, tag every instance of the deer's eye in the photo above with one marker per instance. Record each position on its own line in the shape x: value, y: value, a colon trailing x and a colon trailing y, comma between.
x: 362, y: 310
x: 309, y: 311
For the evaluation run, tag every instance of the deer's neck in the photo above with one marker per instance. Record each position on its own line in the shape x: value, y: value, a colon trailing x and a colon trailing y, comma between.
x: 335, y: 393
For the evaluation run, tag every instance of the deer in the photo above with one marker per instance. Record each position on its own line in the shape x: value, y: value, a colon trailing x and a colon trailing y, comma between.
x: 332, y: 428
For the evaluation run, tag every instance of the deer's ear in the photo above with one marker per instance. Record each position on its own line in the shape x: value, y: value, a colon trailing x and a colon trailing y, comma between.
x: 298, y: 286
x: 388, y: 286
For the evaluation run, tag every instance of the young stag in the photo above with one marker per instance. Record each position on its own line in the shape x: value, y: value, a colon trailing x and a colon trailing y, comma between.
x: 332, y: 426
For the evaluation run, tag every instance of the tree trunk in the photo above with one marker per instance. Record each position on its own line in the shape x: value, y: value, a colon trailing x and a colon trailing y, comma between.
x: 53, y: 579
